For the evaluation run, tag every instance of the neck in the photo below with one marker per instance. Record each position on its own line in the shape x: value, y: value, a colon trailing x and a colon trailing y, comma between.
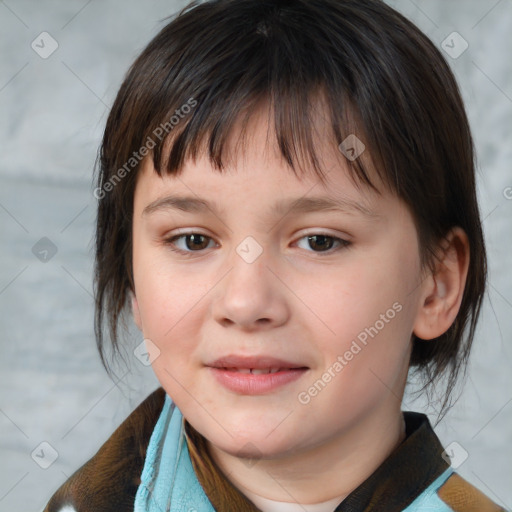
x: 321, y: 473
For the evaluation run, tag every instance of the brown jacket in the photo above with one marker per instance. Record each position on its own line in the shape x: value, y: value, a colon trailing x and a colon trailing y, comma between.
x: 108, y: 482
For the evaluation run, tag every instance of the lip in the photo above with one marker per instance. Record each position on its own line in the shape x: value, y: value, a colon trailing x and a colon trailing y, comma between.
x: 226, y: 372
x: 256, y: 362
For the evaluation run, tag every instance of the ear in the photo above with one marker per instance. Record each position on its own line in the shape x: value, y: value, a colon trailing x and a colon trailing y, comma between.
x: 136, y: 312
x: 442, y: 290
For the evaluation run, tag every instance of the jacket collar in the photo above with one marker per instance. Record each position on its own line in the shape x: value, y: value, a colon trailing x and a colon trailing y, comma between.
x: 407, y: 472
x: 112, y: 475
x: 395, y: 484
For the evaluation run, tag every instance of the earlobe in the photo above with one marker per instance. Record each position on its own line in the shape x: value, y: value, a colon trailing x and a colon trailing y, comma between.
x: 444, y: 288
x: 136, y: 312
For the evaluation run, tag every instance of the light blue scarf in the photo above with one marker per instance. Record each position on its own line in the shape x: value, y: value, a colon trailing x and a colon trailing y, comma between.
x: 168, y: 480
x: 169, y: 483
x: 429, y: 500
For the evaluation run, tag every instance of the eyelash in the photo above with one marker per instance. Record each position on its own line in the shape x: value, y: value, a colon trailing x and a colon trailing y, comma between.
x: 343, y: 244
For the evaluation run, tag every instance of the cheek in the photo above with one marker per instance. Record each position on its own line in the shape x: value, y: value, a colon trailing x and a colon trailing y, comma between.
x: 157, y: 290
x: 351, y: 300
x: 165, y: 309
x: 171, y: 319
x: 368, y: 361
x: 367, y: 319
x: 171, y: 304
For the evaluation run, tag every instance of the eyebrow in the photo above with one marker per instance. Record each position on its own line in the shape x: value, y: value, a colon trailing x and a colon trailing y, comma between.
x: 192, y: 204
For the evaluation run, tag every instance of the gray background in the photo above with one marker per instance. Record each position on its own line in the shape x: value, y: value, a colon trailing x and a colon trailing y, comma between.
x: 52, y: 386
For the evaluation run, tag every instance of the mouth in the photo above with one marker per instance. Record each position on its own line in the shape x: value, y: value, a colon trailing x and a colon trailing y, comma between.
x: 259, y: 371
x: 255, y: 375
x: 254, y: 364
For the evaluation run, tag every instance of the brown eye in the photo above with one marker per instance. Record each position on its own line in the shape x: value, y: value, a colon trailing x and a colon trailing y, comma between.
x: 197, y: 242
x: 324, y: 243
x: 194, y: 242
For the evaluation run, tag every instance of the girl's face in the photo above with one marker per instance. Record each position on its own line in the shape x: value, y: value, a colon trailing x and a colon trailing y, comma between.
x: 327, y: 296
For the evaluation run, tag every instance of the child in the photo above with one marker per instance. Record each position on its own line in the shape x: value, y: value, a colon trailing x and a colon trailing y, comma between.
x: 316, y: 157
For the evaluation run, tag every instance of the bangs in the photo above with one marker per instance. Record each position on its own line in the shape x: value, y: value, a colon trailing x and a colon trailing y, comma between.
x: 243, y: 71
x: 295, y: 118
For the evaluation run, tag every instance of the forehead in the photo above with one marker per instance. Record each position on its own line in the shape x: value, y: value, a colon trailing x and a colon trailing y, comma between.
x: 267, y: 190
x: 252, y: 155
x: 263, y: 196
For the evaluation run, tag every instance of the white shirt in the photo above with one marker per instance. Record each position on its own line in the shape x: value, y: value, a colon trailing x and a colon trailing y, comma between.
x: 266, y: 505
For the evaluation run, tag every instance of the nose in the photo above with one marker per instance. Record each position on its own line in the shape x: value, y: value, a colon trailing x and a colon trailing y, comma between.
x: 252, y: 295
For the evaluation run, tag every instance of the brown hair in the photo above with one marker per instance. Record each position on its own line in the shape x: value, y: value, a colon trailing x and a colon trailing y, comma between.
x: 381, y: 79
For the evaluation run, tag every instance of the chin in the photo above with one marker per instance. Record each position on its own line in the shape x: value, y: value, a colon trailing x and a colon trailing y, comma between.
x: 248, y: 434
x: 255, y: 447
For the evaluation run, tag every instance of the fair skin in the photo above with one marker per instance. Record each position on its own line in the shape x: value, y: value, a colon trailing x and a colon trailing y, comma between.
x: 296, y: 300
